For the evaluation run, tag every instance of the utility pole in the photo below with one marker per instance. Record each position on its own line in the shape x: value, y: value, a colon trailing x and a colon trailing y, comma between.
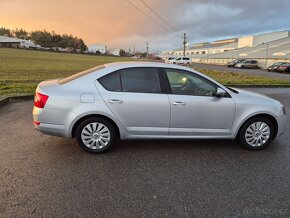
x: 147, y: 48
x: 134, y: 51
x: 184, y: 43
x: 266, y: 61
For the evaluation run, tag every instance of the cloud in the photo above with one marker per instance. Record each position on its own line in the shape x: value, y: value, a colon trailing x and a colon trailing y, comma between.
x: 116, y: 23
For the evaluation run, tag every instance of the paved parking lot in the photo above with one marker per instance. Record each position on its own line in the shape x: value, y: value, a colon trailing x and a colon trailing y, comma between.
x: 45, y: 176
x: 256, y: 72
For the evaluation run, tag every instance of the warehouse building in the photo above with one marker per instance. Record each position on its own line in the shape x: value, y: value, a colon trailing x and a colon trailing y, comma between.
x: 115, y: 51
x: 267, y: 48
x: 11, y: 42
x: 97, y: 48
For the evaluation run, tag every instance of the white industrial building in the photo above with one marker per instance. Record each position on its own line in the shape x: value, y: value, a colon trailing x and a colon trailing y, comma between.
x: 267, y: 48
x: 95, y: 48
x: 115, y: 51
x: 11, y: 42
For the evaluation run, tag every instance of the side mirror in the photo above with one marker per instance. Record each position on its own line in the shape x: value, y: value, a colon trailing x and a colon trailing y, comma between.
x: 220, y: 93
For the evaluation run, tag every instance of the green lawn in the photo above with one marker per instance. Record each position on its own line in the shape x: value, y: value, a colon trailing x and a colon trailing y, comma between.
x: 241, y: 79
x: 22, y: 70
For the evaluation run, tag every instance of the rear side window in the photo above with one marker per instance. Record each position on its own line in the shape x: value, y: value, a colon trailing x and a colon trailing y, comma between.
x: 111, y: 82
x: 144, y: 80
x: 140, y: 80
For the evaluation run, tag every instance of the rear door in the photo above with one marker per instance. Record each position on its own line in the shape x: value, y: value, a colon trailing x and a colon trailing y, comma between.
x: 135, y: 98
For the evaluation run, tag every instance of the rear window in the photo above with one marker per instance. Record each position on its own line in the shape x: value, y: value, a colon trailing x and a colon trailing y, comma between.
x: 186, y: 59
x: 80, y: 74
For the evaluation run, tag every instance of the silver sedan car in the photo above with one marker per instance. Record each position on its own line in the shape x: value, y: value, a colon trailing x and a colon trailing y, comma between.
x: 139, y: 100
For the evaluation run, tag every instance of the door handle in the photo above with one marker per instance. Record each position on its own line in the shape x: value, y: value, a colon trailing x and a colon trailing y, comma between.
x: 178, y: 103
x: 113, y: 101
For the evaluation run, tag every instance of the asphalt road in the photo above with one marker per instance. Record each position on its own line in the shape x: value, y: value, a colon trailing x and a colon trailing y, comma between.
x: 45, y: 176
x: 256, y: 72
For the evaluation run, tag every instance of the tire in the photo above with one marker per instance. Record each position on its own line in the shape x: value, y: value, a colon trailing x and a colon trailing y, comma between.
x: 95, y: 135
x: 253, y: 142
x: 187, y: 64
x: 243, y: 67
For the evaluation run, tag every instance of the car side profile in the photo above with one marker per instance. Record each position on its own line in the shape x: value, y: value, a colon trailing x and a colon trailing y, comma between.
x: 247, y: 64
x: 274, y: 66
x: 169, y: 60
x: 182, y: 61
x: 283, y: 68
x: 139, y: 100
x: 234, y: 62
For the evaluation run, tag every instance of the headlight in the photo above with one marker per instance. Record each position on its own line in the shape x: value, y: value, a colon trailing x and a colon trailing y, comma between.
x: 284, y: 110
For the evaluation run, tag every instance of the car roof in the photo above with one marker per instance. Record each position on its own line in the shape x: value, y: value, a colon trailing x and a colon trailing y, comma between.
x: 130, y: 64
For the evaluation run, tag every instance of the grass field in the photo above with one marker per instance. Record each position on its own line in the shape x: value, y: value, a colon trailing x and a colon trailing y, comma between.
x: 22, y: 70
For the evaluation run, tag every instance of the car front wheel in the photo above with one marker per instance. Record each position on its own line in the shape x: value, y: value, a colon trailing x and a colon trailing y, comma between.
x: 256, y: 133
x: 95, y: 135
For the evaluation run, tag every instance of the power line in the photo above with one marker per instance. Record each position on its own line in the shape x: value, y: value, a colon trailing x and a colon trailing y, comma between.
x: 148, y: 16
x: 156, y: 13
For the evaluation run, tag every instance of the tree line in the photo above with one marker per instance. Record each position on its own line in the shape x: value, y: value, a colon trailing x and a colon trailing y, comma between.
x: 46, y: 39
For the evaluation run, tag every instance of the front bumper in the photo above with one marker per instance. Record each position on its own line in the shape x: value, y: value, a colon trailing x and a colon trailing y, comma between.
x: 282, y: 123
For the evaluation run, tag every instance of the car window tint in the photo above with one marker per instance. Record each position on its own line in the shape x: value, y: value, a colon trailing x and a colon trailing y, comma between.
x: 144, y: 80
x: 186, y: 83
x: 111, y: 82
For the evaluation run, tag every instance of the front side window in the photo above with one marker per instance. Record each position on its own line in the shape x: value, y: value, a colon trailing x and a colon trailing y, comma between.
x: 186, y: 83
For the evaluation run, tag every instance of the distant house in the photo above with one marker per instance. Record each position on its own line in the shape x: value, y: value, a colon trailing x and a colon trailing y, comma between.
x: 115, y: 51
x: 95, y: 48
x: 11, y: 42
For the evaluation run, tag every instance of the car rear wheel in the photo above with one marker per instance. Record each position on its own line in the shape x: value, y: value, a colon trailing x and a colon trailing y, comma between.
x: 95, y: 135
x: 256, y: 133
x: 187, y: 64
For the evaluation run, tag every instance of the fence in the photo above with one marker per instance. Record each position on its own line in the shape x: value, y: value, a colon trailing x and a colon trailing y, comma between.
x: 262, y: 62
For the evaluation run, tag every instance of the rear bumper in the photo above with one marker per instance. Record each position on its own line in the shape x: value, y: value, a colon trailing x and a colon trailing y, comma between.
x: 52, y: 129
x: 53, y: 121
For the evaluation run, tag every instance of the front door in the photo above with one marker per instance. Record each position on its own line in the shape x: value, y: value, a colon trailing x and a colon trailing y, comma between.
x: 195, y: 111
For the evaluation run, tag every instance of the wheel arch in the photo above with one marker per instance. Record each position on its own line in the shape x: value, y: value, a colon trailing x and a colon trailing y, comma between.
x: 268, y: 116
x: 81, y: 119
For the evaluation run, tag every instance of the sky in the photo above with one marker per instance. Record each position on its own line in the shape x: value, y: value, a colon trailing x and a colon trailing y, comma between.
x: 118, y: 24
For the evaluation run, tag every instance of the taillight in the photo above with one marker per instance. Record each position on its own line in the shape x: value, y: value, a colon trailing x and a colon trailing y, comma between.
x: 40, y: 100
x: 36, y: 123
